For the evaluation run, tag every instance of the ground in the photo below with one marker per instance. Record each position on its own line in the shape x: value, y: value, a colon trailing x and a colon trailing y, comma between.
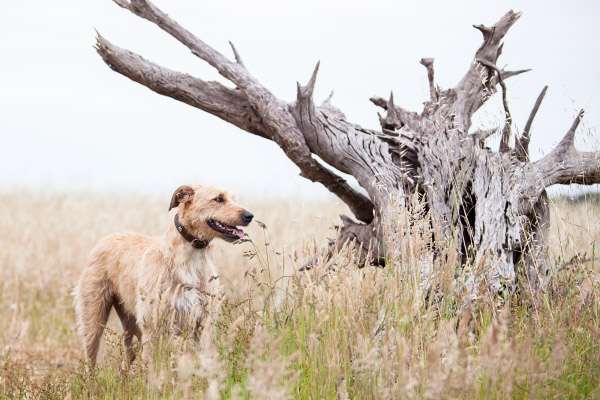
x: 338, y: 332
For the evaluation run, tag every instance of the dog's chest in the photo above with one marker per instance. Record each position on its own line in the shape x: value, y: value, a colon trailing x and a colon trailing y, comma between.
x: 195, y: 284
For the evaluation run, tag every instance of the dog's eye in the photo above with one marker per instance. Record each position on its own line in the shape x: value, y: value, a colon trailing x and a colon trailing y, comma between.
x: 219, y: 199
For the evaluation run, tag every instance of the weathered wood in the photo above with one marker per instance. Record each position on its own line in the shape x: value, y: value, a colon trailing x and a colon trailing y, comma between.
x: 428, y: 63
x: 522, y: 142
x: 566, y: 165
x: 228, y: 104
x: 492, y: 206
x: 506, y: 131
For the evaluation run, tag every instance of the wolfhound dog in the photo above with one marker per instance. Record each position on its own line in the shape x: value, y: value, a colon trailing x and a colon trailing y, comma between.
x: 135, y: 273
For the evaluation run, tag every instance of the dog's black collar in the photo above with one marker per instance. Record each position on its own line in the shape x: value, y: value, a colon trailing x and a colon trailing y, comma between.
x: 197, y: 243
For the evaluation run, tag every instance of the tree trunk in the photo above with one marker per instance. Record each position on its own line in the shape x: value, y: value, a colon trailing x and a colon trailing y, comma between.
x: 490, y: 205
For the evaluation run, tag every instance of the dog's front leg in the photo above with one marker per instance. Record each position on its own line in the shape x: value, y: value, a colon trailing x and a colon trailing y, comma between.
x: 149, y: 324
x: 148, y: 349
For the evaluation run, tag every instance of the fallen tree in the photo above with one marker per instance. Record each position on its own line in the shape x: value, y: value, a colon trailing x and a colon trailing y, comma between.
x: 492, y: 205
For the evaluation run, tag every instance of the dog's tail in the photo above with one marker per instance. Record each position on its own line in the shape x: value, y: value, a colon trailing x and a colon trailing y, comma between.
x: 93, y: 302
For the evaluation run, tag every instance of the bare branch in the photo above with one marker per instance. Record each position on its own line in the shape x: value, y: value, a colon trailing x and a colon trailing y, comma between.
x: 428, y: 63
x: 307, y: 91
x: 473, y: 89
x: 401, y: 116
x: 481, y: 135
x: 234, y: 72
x: 506, y: 130
x: 486, y: 31
x: 327, y: 101
x: 122, y: 3
x: 228, y: 104
x: 494, y: 34
x: 237, y: 56
x: 569, y: 140
x: 379, y: 102
x: 499, y: 52
x: 510, y: 74
x: 522, y: 143
x: 566, y: 165
x: 358, y: 203
x: 323, y: 129
x: 392, y: 119
x: 275, y: 113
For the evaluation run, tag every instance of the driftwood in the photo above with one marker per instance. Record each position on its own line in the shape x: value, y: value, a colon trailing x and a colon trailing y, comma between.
x: 492, y: 205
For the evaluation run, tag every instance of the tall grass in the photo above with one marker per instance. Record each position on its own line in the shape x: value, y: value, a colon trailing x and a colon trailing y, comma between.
x: 339, y: 330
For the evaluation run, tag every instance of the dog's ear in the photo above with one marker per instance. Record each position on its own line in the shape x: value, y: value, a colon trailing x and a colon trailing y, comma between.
x: 181, y: 195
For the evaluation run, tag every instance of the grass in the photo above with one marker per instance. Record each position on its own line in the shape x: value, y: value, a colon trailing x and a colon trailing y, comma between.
x: 336, y: 331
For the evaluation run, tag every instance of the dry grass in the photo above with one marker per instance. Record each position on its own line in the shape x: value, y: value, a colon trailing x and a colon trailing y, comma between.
x: 343, y: 333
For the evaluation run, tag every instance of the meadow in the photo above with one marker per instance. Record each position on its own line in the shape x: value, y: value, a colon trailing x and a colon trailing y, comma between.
x: 336, y: 331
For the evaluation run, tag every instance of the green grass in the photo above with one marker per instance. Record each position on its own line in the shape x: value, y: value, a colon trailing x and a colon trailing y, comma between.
x: 346, y: 332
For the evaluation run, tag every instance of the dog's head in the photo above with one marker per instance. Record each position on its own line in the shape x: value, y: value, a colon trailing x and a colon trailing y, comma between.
x: 208, y: 212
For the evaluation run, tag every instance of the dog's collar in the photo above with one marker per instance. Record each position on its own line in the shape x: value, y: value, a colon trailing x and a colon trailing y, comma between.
x: 197, y: 243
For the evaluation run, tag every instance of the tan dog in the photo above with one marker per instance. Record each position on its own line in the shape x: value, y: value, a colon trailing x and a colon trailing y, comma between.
x: 133, y: 272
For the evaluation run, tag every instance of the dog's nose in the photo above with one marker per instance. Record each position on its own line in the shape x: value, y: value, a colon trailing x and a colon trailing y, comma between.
x: 247, y: 216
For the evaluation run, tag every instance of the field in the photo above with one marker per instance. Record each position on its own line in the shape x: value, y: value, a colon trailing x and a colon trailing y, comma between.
x: 336, y: 331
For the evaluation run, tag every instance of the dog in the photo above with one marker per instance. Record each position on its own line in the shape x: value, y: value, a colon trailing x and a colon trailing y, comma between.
x: 133, y: 273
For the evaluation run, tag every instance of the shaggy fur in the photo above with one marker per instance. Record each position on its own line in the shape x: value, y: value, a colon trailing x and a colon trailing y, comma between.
x: 134, y: 273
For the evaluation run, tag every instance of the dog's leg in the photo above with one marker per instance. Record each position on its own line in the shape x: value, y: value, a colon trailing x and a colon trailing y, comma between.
x: 148, y: 348
x: 131, y: 329
x: 93, y: 302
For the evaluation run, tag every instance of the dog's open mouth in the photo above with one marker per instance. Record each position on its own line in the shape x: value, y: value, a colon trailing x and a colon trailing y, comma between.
x: 230, y: 232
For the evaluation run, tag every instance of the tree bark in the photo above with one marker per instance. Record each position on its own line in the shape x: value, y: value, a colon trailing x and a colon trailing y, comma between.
x: 491, y: 205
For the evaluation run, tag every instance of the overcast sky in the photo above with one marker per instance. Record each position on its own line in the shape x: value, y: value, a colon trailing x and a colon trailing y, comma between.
x: 69, y: 122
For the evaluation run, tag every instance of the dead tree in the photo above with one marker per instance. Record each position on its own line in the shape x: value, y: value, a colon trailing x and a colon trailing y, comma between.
x: 492, y: 204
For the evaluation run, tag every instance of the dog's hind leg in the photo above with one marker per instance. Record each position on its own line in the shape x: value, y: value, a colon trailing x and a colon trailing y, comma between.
x: 131, y: 329
x: 93, y: 302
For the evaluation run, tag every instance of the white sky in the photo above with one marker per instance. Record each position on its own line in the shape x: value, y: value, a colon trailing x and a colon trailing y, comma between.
x: 69, y: 122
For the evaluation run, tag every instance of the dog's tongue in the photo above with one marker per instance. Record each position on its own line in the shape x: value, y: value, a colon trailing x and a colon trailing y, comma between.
x: 238, y: 232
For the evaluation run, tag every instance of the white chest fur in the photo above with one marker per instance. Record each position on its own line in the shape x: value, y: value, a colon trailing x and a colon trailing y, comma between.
x: 194, y: 284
